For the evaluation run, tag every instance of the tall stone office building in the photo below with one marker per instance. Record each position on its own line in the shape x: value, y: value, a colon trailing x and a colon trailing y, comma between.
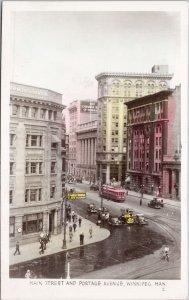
x: 80, y: 112
x: 37, y: 162
x: 114, y: 89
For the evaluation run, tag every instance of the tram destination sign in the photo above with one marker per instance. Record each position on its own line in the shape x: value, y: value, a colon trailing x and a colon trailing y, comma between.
x: 75, y: 196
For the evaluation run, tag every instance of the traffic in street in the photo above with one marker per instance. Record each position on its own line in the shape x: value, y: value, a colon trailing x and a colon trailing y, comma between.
x: 127, y: 242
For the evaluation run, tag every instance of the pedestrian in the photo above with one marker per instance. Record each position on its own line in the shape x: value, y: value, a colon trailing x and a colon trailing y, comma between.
x: 42, y: 246
x: 28, y: 274
x: 74, y: 226
x: 80, y: 221
x: 48, y: 236
x: 140, y: 201
x: 90, y: 232
x: 70, y: 236
x: 69, y: 217
x: 17, y: 248
x: 73, y: 215
x: 81, y: 237
x: 76, y: 218
x: 70, y: 228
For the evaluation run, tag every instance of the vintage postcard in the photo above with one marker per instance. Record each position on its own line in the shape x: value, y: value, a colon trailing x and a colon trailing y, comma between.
x: 94, y: 136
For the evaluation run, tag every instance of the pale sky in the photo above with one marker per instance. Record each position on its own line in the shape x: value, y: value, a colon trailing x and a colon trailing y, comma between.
x: 64, y: 51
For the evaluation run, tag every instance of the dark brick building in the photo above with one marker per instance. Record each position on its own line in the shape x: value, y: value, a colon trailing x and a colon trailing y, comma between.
x: 153, y: 143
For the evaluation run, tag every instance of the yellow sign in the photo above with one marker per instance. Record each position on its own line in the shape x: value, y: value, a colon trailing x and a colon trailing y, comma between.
x: 75, y: 196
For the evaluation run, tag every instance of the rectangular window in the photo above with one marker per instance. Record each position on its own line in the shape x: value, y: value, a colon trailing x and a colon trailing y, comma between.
x: 34, y: 112
x: 14, y: 110
x: 40, y: 141
x: 39, y: 194
x: 53, y: 145
x: 27, y: 168
x: 11, y: 168
x: 27, y: 140
x: 156, y: 141
x: 53, y: 166
x: 12, y: 139
x: 33, y: 140
x: 40, y: 168
x: 10, y: 196
x: 116, y: 124
x: 33, y: 168
x: 32, y: 223
x: 42, y: 114
x: 156, y: 154
x: 25, y: 111
x: 26, y: 195
x: 33, y: 195
x: 11, y: 226
x: 52, y: 192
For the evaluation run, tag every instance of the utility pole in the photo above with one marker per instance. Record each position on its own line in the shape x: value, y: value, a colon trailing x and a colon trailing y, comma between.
x: 64, y: 221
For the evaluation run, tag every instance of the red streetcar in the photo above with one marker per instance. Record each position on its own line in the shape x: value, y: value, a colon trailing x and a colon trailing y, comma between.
x: 112, y: 193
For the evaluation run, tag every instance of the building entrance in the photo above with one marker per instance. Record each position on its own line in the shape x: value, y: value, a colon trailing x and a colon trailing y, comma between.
x: 51, y: 221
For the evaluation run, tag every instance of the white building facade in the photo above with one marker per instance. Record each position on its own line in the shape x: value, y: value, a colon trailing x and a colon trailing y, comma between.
x: 37, y: 162
x: 114, y: 89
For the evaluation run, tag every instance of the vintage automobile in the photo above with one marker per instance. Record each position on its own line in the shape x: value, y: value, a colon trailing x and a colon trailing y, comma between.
x: 154, y: 204
x: 140, y: 220
x: 159, y: 200
x: 94, y: 187
x: 92, y: 209
x: 114, y: 221
x: 127, y: 217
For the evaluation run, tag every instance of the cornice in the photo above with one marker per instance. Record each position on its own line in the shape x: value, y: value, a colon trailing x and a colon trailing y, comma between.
x: 37, y: 102
x: 134, y: 75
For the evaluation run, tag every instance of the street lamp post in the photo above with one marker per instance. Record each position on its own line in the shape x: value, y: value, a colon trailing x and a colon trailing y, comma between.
x: 64, y: 222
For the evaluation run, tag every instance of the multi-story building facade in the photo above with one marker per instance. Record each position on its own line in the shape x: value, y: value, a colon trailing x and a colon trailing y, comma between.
x: 153, y: 139
x: 114, y: 89
x: 37, y: 162
x: 80, y: 111
x: 86, y: 154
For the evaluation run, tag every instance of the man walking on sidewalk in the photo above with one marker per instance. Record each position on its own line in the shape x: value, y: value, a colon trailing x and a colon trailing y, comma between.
x: 74, y: 226
x: 81, y: 237
x: 80, y: 221
x: 90, y: 232
x: 17, y: 248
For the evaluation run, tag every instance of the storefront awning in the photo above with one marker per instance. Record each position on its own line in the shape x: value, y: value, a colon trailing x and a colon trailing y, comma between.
x: 55, y: 139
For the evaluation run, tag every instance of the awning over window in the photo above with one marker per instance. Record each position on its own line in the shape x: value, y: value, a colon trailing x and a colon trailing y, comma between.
x: 55, y: 139
x: 128, y: 179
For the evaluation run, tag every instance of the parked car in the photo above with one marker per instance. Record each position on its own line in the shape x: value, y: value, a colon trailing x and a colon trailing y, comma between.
x: 154, y: 204
x: 114, y: 221
x: 91, y: 209
x: 94, y: 187
x: 140, y: 219
x: 159, y: 200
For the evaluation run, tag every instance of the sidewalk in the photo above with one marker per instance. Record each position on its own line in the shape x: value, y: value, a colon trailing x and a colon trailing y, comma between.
x: 31, y: 251
x: 150, y: 197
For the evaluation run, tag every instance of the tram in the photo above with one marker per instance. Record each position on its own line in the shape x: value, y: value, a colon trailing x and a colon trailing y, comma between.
x: 112, y: 193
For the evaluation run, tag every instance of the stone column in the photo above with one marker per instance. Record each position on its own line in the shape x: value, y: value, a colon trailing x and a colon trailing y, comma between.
x: 173, y: 191
x: 108, y: 174
x: 89, y: 153
x: 85, y: 152
x: 55, y: 221
x: 92, y: 152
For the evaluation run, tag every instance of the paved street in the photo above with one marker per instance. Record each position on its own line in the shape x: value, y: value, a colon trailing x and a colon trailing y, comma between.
x: 129, y: 252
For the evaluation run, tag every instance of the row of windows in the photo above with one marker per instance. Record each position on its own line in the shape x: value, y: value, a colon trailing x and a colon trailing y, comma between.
x: 141, y: 166
x: 34, y: 168
x: 34, y: 112
x: 33, y: 194
x: 33, y: 140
